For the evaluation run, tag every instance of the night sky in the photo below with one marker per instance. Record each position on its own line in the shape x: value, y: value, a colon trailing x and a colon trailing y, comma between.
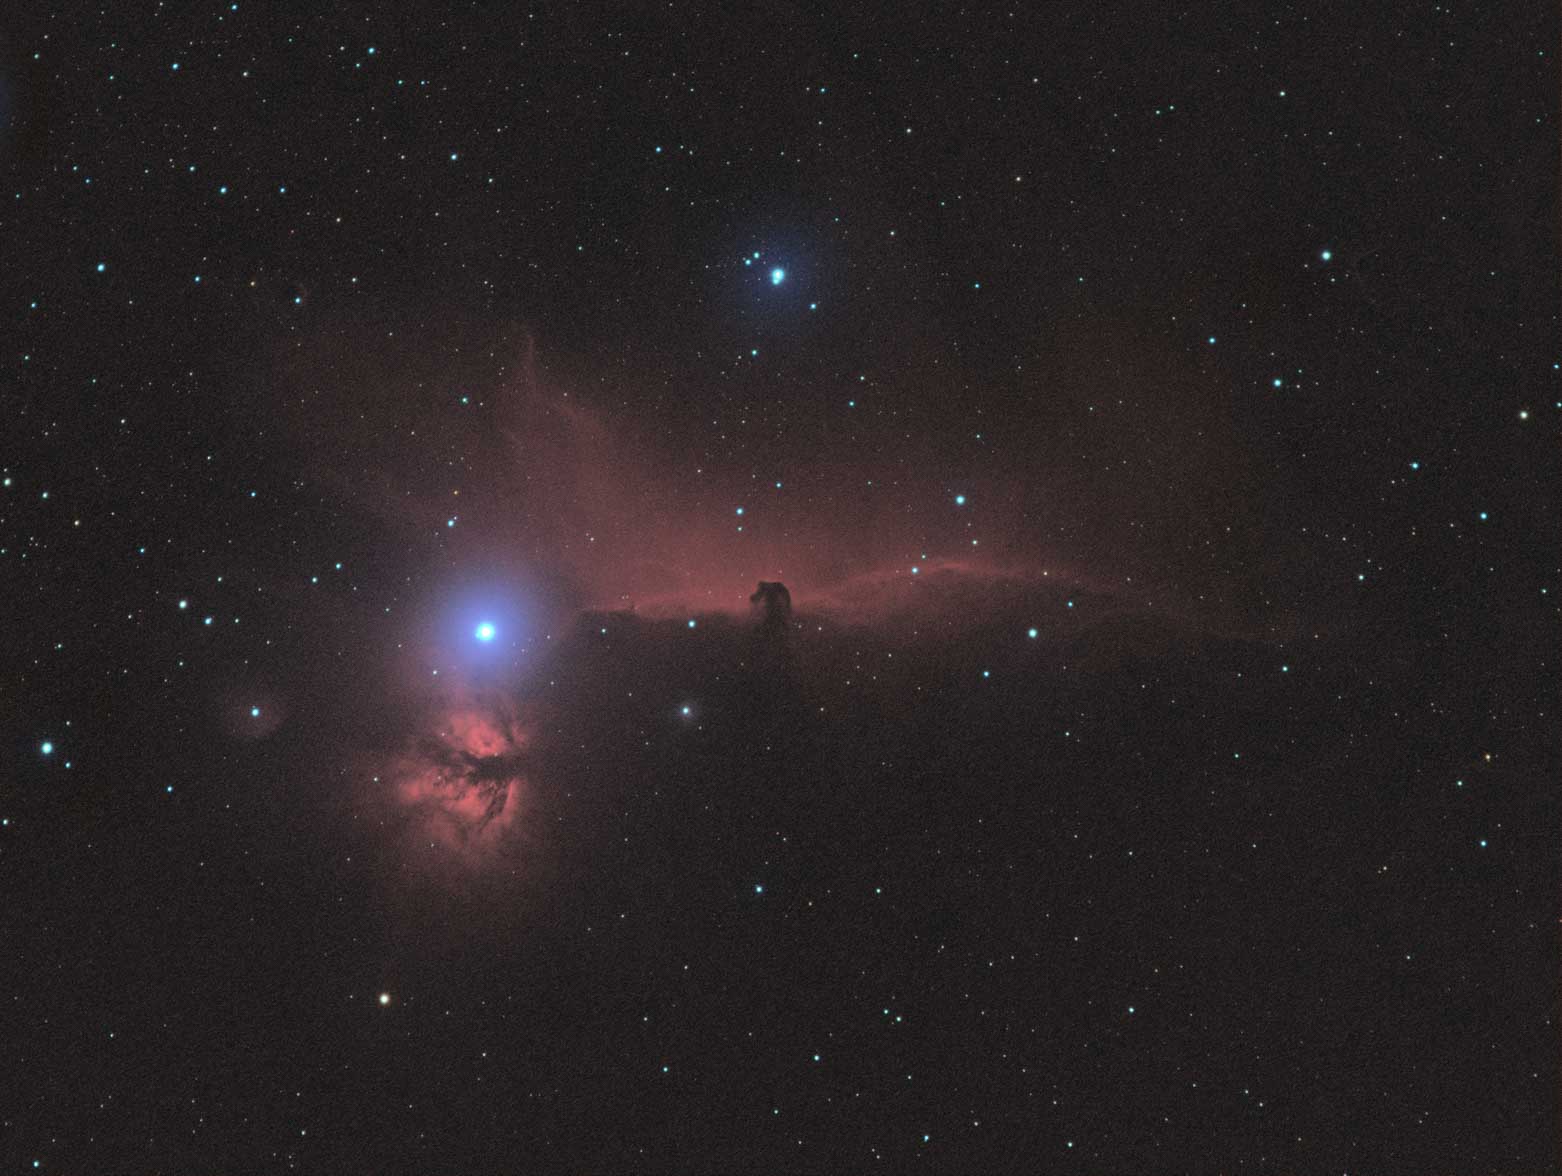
x: 1150, y: 766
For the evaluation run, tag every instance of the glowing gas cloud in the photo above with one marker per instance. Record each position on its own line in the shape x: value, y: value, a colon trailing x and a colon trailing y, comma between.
x: 529, y: 495
x: 463, y: 780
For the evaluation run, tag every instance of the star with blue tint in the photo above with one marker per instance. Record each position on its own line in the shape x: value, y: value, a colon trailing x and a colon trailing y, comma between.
x: 486, y: 631
x: 777, y: 276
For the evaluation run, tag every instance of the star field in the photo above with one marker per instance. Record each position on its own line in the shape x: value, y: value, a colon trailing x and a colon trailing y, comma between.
x: 762, y: 589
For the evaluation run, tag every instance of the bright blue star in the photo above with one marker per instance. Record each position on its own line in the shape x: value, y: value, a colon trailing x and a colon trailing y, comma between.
x: 758, y: 889
x: 959, y: 499
x: 777, y: 276
x: 1032, y: 634
x: 486, y: 631
x: 1327, y: 255
x: 46, y: 747
x: 254, y: 712
x: 101, y: 267
x: 691, y: 622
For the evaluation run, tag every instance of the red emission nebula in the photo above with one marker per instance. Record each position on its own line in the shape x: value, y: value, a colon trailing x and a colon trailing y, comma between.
x: 518, y: 488
x: 463, y: 782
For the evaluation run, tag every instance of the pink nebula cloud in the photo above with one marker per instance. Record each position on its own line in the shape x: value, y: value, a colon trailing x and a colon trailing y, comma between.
x: 463, y: 781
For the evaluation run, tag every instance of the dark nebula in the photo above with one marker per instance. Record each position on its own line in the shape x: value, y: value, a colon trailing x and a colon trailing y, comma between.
x: 779, y: 588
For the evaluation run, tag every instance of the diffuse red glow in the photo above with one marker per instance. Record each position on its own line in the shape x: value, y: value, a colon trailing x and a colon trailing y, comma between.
x: 464, y: 783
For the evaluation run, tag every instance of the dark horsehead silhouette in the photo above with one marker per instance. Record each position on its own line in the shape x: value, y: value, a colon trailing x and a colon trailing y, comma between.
x: 773, y: 603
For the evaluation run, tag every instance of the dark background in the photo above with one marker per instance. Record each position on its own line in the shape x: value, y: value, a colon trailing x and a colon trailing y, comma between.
x: 1280, y: 780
